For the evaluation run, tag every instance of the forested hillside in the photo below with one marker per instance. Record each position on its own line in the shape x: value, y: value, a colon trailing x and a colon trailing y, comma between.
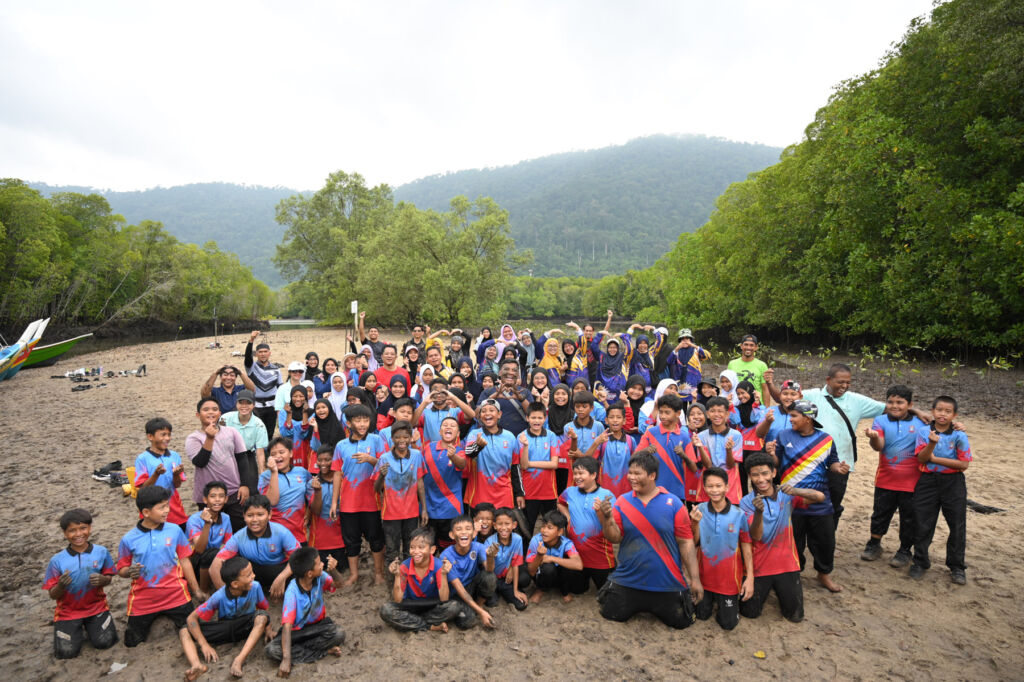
x: 603, y: 211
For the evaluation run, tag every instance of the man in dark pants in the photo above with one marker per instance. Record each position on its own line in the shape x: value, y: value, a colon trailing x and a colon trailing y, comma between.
x: 266, y: 377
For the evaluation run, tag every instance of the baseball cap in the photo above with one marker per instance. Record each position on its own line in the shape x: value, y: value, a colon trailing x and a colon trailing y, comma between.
x: 807, y: 409
x: 684, y: 333
x: 790, y: 385
x: 246, y: 394
x: 296, y: 366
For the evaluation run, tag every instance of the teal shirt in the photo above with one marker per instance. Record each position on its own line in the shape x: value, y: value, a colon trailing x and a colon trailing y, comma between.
x: 254, y: 433
x: 856, y: 407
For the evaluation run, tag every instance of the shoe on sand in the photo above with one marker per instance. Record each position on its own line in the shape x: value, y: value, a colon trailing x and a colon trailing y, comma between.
x: 958, y: 576
x: 872, y: 551
x: 916, y: 572
x: 900, y: 559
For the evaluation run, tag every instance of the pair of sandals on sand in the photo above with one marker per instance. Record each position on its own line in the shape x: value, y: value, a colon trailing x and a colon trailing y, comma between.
x: 111, y: 474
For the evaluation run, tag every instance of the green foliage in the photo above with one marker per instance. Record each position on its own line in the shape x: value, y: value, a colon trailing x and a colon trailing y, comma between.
x: 899, y: 217
x: 348, y: 242
x: 70, y: 258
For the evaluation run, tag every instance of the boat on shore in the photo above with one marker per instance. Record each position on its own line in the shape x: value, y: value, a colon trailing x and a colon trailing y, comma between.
x: 13, y: 357
x: 45, y: 356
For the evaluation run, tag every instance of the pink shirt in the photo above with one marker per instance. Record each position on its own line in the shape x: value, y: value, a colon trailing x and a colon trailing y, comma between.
x: 222, y: 465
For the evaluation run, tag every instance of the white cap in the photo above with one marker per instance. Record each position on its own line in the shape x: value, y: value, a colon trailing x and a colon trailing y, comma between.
x: 296, y: 366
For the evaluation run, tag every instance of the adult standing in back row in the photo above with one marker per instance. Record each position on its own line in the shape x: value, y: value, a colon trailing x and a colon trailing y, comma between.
x: 266, y: 377
x: 749, y: 368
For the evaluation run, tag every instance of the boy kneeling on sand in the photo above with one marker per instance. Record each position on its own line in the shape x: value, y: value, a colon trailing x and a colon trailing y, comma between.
x: 420, y: 593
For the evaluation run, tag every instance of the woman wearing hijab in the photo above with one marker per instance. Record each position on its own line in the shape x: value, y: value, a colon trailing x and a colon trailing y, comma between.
x: 706, y: 390
x: 312, y: 365
x: 339, y: 393
x: 561, y: 413
x: 412, y: 360
x: 639, y: 354
x: 464, y: 368
x: 422, y: 387
x: 649, y: 412
x: 371, y: 361
x: 635, y: 402
x: 727, y: 388
x: 328, y: 428
x: 539, y: 387
x: 551, y: 363
x: 506, y: 337
x: 293, y: 423
x: 610, y: 364
x: 322, y: 380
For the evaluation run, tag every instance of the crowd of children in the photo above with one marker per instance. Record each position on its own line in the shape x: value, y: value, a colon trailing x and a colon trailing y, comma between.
x: 500, y: 468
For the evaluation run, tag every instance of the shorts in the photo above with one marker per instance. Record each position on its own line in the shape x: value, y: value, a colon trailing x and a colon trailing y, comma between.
x: 266, y: 574
x: 138, y: 626
x: 358, y: 525
x: 338, y: 554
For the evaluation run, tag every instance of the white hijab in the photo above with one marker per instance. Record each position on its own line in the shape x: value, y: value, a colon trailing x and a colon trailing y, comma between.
x: 338, y: 399
x: 729, y: 395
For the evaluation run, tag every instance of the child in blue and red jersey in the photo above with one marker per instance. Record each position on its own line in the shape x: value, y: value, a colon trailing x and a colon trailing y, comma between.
x: 552, y: 560
x: 285, y: 487
x: 445, y: 460
x: 235, y: 612
x: 420, y: 595
x: 943, y: 455
x: 402, y: 410
x: 353, y: 496
x: 584, y: 429
x: 154, y: 555
x: 75, y: 578
x: 398, y: 479
x: 438, y: 405
x: 538, y: 450
x: 471, y: 575
x: 664, y: 437
x: 745, y: 419
x: 324, y: 531
x: 266, y: 545
x: 508, y: 558
x: 578, y: 503
x: 697, y: 423
x: 723, y: 448
x: 294, y: 423
x: 492, y: 473
x: 806, y: 456
x: 894, y: 436
x: 208, y: 530
x: 307, y: 633
x: 722, y: 534
x: 769, y: 513
x: 612, y: 449
x: 159, y: 466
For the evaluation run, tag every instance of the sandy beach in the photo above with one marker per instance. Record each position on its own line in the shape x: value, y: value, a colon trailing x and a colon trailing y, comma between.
x: 882, y: 626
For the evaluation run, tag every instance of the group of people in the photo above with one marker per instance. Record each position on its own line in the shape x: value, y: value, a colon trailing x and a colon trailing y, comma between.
x: 503, y: 468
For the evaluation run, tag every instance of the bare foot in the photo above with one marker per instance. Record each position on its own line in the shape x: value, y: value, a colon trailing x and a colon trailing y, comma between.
x: 236, y: 668
x: 536, y: 597
x: 566, y: 598
x: 194, y: 672
x: 351, y: 580
x: 443, y: 627
x: 829, y: 584
x: 335, y: 651
x: 378, y: 579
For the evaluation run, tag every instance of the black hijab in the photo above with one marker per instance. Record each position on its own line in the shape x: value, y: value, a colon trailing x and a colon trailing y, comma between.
x: 297, y: 412
x: 745, y: 408
x: 635, y: 405
x: 311, y: 372
x: 559, y: 416
x: 329, y: 429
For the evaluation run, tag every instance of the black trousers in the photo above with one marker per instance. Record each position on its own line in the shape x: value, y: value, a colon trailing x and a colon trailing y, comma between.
x: 267, y: 415
x: 442, y: 532
x: 309, y: 644
x: 419, y: 614
x: 561, y: 480
x: 266, y: 574
x: 674, y: 609
x: 507, y: 590
x: 579, y: 581
x: 138, y: 627
x: 818, y: 534
x: 728, y: 608
x: 230, y: 630
x: 788, y: 589
x: 946, y: 493
x: 482, y: 585
x: 397, y: 535
x: 886, y: 504
x: 837, y: 491
x: 552, y: 576
x: 358, y: 525
x: 69, y: 635
x: 534, y: 510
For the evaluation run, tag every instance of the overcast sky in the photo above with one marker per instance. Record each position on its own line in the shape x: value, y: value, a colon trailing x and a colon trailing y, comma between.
x: 136, y: 94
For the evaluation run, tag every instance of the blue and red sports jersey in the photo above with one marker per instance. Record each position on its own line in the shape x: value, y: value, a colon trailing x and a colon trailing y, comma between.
x: 804, y: 462
x: 715, y: 444
x: 585, y: 527
x: 399, y: 500
x: 563, y: 549
x: 301, y: 608
x: 488, y: 475
x: 775, y: 552
x: 220, y: 532
x: 649, y: 557
x: 290, y: 510
x: 389, y: 442
x: 539, y: 484
x: 670, y: 464
x: 162, y: 584
x: 897, y: 461
x: 952, y: 445
x: 431, y: 418
x: 585, y: 435
x: 304, y: 443
x: 721, y: 563
x: 779, y: 424
x: 80, y: 600
x: 323, y: 532
x: 226, y: 606
x: 751, y: 442
x: 357, y: 494
x: 614, y: 456
x: 443, y: 481
x: 465, y: 566
x: 148, y: 462
x: 274, y: 546
x: 416, y: 587
x: 508, y: 555
x: 694, y: 480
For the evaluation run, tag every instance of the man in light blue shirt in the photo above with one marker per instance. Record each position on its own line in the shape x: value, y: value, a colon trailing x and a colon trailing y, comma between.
x: 254, y: 433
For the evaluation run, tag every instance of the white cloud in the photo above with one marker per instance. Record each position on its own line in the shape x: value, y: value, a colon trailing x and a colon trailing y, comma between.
x: 132, y: 95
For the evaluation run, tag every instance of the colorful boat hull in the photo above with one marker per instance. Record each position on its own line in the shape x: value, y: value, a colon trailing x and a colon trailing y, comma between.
x: 45, y: 356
